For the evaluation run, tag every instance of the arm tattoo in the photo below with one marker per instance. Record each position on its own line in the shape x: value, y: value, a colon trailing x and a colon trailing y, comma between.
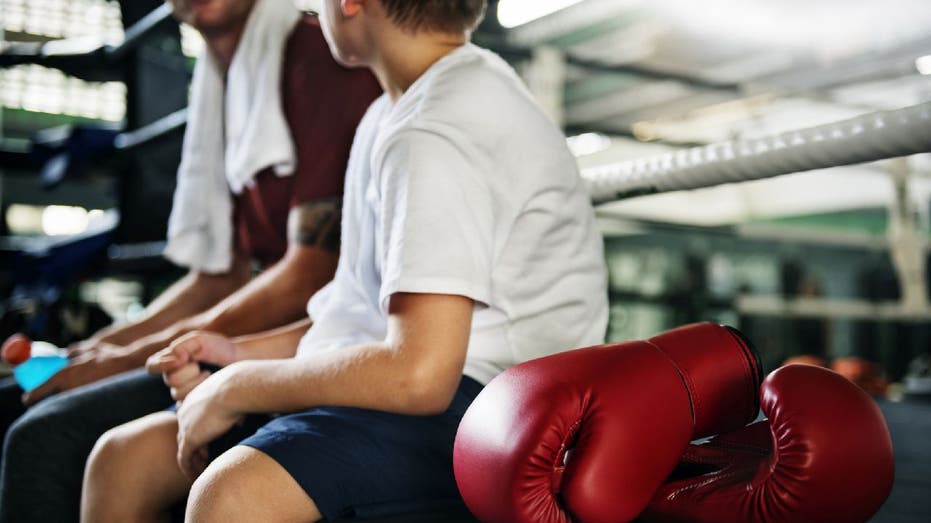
x: 316, y: 224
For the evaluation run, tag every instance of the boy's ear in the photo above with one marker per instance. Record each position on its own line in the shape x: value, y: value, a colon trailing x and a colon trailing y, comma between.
x: 351, y: 7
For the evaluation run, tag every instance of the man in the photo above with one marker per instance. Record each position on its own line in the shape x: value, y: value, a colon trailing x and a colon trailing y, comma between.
x: 284, y: 217
x: 468, y: 245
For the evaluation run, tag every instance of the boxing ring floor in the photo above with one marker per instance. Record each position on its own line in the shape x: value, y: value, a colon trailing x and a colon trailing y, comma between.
x: 910, y: 424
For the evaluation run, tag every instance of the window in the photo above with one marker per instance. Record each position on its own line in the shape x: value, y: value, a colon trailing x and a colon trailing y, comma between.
x: 38, y: 89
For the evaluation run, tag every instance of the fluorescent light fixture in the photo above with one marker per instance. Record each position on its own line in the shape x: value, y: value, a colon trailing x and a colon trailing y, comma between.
x: 63, y: 18
x: 61, y: 220
x: 192, y: 43
x: 308, y: 5
x: 923, y: 64
x: 24, y: 219
x: 588, y: 143
x: 644, y: 131
x: 512, y: 13
x: 38, y: 89
x: 52, y: 220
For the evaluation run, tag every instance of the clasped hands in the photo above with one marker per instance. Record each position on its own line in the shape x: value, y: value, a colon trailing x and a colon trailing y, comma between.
x: 203, y: 415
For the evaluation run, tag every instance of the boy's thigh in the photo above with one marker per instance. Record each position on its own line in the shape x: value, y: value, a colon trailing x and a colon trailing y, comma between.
x: 368, y: 464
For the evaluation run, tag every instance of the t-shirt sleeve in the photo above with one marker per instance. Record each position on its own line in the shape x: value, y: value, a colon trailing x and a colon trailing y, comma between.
x: 323, y: 103
x: 436, y: 219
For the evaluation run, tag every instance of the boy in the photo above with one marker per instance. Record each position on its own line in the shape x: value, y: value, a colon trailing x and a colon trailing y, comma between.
x: 468, y: 245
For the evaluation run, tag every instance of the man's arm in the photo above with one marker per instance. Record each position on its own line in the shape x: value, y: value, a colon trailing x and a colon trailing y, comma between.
x: 279, y: 295
x: 109, y: 351
x: 276, y: 297
x: 193, y: 294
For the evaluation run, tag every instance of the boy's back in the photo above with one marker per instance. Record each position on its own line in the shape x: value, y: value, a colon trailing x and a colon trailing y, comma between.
x: 464, y: 186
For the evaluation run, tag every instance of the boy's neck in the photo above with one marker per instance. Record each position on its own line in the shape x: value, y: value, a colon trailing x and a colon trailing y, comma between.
x: 403, y: 57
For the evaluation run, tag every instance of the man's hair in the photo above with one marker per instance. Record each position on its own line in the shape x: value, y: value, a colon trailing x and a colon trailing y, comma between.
x: 448, y: 16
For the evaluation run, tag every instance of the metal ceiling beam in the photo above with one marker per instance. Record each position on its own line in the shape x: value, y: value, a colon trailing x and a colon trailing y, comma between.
x: 517, y: 53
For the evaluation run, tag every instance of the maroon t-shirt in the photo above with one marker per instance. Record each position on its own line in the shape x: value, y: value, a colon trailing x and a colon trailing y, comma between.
x: 323, y: 103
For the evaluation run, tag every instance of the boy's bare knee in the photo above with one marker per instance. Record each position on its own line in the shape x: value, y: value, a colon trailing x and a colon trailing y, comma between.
x: 217, y: 495
x: 245, y: 485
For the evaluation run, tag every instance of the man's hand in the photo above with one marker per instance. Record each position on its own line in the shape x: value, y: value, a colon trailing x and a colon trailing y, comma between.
x: 89, y: 347
x: 202, y: 418
x: 104, y: 361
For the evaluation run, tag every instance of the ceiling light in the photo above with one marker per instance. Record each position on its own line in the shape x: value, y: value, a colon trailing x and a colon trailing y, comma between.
x: 588, y: 143
x: 644, y: 131
x: 61, y: 220
x: 308, y: 5
x: 923, y: 64
x: 512, y: 13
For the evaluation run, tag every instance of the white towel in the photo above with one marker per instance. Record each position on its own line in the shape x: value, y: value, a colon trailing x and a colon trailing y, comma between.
x: 249, y: 114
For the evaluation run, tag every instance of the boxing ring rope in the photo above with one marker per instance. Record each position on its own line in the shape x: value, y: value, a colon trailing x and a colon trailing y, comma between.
x: 869, y: 137
x: 865, y: 138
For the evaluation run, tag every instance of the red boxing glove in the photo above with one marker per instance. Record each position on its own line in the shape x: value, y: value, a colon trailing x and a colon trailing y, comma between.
x: 588, y: 435
x: 824, y: 455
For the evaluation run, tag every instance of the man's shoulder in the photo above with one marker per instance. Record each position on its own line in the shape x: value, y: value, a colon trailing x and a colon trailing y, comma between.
x: 306, y: 37
x: 309, y: 24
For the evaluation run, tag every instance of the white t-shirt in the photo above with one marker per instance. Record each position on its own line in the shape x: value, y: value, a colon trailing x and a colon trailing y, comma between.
x: 464, y: 186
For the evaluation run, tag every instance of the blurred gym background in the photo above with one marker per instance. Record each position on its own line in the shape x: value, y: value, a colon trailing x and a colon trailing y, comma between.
x: 93, y: 92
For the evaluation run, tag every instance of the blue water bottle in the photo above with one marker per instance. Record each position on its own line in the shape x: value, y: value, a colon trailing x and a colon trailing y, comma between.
x: 43, y: 360
x: 37, y: 370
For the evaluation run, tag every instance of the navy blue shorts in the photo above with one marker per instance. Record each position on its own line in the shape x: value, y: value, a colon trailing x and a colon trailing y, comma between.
x: 358, y: 463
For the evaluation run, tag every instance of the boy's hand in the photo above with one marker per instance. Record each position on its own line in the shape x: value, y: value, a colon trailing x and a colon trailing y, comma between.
x: 184, y: 379
x: 202, y: 418
x: 198, y: 346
